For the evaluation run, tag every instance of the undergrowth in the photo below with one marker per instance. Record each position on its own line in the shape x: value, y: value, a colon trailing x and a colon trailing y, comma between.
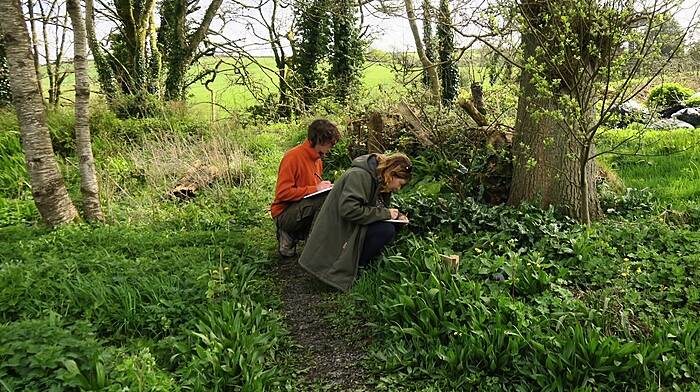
x: 176, y: 294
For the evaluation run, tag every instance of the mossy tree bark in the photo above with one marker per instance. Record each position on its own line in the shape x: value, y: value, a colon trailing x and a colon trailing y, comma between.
x: 182, y: 47
x: 552, y: 157
x: 105, y: 74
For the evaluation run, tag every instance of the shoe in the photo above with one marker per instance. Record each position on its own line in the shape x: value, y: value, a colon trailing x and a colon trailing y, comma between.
x: 287, y: 244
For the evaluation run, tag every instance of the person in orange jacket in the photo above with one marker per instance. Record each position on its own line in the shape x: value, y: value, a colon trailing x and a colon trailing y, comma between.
x: 301, y: 174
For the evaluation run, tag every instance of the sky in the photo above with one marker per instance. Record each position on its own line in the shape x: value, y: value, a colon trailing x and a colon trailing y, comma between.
x: 392, y: 33
x: 387, y: 33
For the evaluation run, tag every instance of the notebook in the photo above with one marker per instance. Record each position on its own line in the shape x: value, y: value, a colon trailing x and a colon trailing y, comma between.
x: 317, y: 192
x: 397, y: 221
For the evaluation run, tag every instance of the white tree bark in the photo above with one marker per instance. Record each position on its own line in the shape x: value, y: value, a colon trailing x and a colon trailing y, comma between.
x: 88, y: 177
x: 48, y: 188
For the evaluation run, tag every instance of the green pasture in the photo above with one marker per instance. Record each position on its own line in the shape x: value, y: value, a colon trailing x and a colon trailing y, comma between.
x: 233, y: 84
x: 665, y: 162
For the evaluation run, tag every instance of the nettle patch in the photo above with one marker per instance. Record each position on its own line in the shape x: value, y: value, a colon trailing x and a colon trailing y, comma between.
x: 537, y: 302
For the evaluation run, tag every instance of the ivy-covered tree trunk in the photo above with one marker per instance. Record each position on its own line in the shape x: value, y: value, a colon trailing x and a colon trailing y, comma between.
x: 348, y: 53
x: 179, y: 47
x: 48, y: 189
x: 449, y: 73
x: 173, y: 40
x: 134, y: 17
x: 86, y: 162
x: 156, y: 59
x: 312, y: 46
x: 428, y: 38
x: 284, y: 108
x: 105, y: 74
x: 547, y: 154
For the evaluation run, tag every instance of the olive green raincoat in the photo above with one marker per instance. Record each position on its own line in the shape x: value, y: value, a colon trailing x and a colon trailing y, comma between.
x: 333, y: 248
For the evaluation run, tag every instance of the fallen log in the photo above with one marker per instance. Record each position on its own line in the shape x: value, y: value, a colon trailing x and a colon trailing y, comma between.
x: 198, y: 176
x: 473, y: 112
x: 419, y: 130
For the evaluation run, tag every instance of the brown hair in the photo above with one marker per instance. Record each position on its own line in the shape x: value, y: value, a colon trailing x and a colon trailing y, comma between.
x: 392, y: 166
x: 322, y: 131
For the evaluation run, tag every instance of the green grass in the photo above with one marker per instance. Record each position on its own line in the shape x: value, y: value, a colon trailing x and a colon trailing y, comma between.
x: 169, y: 295
x: 666, y: 162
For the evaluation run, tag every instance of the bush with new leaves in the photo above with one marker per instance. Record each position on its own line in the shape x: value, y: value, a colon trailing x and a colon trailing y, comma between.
x: 668, y: 94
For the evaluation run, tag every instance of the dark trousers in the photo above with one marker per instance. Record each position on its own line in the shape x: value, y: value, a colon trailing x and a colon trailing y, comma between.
x: 299, y: 216
x: 378, y: 235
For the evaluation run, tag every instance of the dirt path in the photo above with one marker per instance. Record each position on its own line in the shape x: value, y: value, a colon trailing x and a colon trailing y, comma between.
x: 332, y: 357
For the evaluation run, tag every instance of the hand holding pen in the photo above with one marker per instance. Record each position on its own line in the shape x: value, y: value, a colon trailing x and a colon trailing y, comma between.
x: 323, y: 184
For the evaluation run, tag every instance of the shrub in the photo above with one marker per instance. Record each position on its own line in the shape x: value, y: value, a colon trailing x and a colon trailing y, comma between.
x: 139, y: 372
x: 140, y: 105
x: 107, y: 127
x: 668, y: 94
x: 693, y: 102
x: 62, y: 130
x: 633, y: 201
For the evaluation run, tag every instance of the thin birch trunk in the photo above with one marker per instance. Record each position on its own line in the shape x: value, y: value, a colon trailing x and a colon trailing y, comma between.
x: 35, y: 45
x: 86, y: 166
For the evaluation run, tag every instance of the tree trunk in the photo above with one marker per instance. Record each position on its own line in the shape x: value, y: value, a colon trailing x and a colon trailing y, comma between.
x: 548, y: 168
x: 283, y: 107
x: 449, y: 73
x: 134, y: 18
x: 428, y: 38
x: 478, y: 97
x: 60, y: 76
x: 35, y: 45
x: 176, y: 27
x: 181, y: 58
x: 48, y: 188
x: 105, y: 74
x: 428, y: 66
x: 88, y: 175
x: 156, y: 58
x: 49, y: 69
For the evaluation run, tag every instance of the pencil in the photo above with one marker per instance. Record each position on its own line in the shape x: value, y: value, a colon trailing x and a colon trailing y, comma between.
x: 319, y: 177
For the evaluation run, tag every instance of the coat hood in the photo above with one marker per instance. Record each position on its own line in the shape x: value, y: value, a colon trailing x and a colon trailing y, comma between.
x: 368, y: 163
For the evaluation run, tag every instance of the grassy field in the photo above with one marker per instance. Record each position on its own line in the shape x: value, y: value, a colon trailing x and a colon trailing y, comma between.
x: 232, y: 93
x: 666, y: 162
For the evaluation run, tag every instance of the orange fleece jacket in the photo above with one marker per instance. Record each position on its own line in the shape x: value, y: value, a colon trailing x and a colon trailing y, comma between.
x: 295, y: 177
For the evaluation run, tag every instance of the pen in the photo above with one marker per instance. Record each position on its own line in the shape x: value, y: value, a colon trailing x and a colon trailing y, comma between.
x: 319, y: 177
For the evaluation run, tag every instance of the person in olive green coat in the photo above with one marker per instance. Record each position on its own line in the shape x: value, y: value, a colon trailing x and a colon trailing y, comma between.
x: 350, y: 229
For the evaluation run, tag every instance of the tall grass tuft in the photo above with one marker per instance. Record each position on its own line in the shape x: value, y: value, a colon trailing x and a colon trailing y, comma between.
x: 167, y: 157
